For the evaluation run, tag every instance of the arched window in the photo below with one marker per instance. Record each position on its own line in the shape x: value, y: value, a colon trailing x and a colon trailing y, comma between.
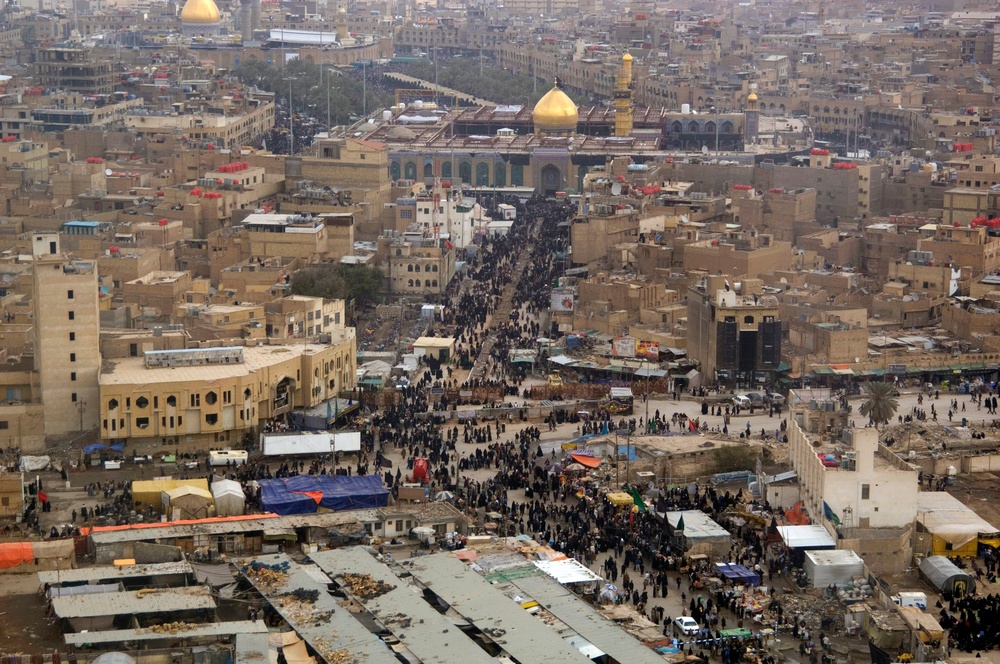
x: 482, y: 174
x: 677, y: 127
x: 416, y: 282
x: 693, y: 127
x: 434, y: 283
x: 409, y: 282
x: 141, y: 402
x: 727, y: 127
x: 112, y: 404
x: 465, y: 172
x: 393, y: 171
x: 500, y: 174
x: 172, y: 401
x: 816, y: 109
x: 427, y: 267
x: 434, y: 268
x: 409, y: 268
x: 428, y: 170
x: 446, y: 169
x: 748, y: 320
x: 410, y: 171
x: 517, y: 175
x: 710, y: 127
x: 246, y: 393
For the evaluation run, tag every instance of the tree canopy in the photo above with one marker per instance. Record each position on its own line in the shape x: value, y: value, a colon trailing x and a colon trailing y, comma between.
x: 880, y: 403
x: 308, y: 95
x: 496, y: 85
x: 338, y: 281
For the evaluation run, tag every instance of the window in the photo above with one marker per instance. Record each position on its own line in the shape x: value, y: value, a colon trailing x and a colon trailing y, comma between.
x: 195, y: 400
x: 865, y: 491
x: 227, y: 396
x: 72, y: 397
x: 172, y: 401
x: 141, y: 402
x: 142, y: 422
x: 72, y: 357
x: 72, y: 336
x: 211, y: 418
x: 69, y: 295
x: 211, y: 398
x: 72, y: 315
x: 72, y: 376
x: 112, y: 404
x: 4, y: 424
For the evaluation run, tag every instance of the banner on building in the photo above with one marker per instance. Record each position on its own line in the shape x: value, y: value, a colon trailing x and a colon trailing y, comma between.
x: 648, y: 350
x: 562, y: 301
x: 623, y: 347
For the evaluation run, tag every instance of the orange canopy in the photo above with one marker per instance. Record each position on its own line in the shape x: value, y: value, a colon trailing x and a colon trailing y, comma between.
x: 584, y: 460
x: 315, y: 495
x: 13, y: 554
x: 183, y: 522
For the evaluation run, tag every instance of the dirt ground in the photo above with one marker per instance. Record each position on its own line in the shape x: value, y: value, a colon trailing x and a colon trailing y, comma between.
x: 24, y: 627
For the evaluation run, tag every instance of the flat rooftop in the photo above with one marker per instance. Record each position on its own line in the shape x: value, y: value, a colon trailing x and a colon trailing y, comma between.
x: 145, y: 634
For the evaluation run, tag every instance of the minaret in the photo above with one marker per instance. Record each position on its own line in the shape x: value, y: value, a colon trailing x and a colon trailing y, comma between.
x: 623, y: 98
x: 751, y: 120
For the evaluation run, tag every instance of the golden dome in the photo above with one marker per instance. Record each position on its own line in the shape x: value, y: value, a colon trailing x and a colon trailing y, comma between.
x: 752, y: 96
x: 555, y: 111
x: 627, y: 57
x: 200, y: 11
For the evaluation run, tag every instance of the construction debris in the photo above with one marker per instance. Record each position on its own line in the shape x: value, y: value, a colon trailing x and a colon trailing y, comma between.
x: 365, y: 587
x: 170, y: 628
x: 269, y: 578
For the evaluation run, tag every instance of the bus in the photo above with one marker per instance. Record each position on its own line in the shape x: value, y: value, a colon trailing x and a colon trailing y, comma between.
x: 620, y: 401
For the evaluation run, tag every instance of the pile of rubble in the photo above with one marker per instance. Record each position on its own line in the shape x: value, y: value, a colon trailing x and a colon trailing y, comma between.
x: 331, y: 656
x: 303, y: 612
x: 365, y: 587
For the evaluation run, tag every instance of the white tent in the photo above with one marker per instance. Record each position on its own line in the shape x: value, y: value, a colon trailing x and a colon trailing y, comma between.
x: 229, y: 498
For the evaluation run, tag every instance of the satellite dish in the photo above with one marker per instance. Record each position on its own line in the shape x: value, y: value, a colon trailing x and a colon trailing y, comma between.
x: 616, y: 189
x: 857, y: 359
x: 108, y: 171
x: 704, y: 149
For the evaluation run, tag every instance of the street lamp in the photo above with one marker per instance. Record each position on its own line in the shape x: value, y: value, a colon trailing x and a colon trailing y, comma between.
x: 628, y: 447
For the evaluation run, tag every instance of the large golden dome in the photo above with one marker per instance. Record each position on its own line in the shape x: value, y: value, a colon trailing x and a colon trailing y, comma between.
x: 200, y: 11
x: 555, y: 111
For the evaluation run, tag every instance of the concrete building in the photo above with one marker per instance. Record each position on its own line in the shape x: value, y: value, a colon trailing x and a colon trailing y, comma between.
x: 737, y: 338
x: 66, y: 325
x: 197, y: 398
x: 739, y: 254
x: 856, y: 483
x: 73, y: 69
x: 416, y: 265
x: 964, y: 246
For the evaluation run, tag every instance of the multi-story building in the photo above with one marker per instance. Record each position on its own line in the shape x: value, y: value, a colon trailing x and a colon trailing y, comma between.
x: 67, y: 340
x: 416, y: 265
x: 739, y: 254
x: 73, y: 69
x: 736, y: 337
x: 232, y: 129
x: 195, y: 398
x: 964, y: 246
x: 302, y: 315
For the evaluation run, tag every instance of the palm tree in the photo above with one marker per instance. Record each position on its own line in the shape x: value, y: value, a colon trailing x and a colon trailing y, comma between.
x: 880, y: 402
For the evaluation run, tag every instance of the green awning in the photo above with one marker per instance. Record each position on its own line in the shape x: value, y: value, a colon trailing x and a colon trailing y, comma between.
x: 784, y: 366
x: 823, y: 371
x: 873, y: 372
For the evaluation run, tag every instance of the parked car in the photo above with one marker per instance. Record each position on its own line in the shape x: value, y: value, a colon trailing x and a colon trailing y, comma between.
x: 755, y: 398
x: 775, y: 399
x: 741, y: 401
x: 685, y: 626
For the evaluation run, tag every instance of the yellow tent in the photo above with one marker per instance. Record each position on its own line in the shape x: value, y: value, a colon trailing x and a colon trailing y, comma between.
x: 149, y: 492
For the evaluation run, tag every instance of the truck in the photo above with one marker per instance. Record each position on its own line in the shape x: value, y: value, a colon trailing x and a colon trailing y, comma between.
x: 911, y: 598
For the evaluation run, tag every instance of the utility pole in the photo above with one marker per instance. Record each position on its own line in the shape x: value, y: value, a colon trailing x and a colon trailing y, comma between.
x: 291, y: 120
x: 81, y: 406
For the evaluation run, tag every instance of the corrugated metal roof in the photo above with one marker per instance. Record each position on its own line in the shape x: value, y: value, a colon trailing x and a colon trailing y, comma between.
x: 325, y: 520
x: 110, y: 573
x: 111, y: 604
x: 251, y: 648
x: 336, y: 630
x: 145, y: 634
x: 423, y: 632
x: 524, y: 636
x: 587, y: 622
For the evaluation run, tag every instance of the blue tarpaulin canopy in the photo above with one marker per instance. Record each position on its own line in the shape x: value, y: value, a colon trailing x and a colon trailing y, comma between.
x: 738, y: 573
x: 305, y: 494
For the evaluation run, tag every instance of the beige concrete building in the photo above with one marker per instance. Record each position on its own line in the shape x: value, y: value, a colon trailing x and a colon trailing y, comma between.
x: 67, y: 341
x: 302, y: 315
x: 239, y: 127
x: 739, y: 254
x: 416, y: 267
x: 737, y: 338
x: 964, y: 247
x: 196, y: 398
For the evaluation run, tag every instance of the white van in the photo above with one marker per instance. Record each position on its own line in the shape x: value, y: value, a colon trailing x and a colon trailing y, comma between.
x: 917, y: 599
x: 741, y: 401
x: 227, y: 457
